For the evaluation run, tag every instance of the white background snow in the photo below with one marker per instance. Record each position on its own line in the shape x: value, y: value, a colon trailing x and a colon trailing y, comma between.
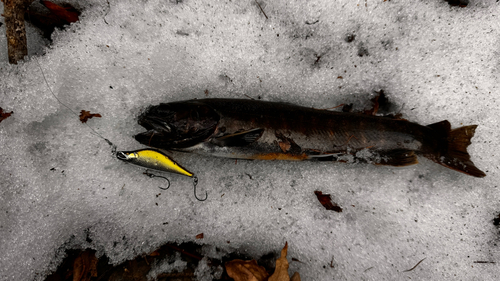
x: 60, y: 186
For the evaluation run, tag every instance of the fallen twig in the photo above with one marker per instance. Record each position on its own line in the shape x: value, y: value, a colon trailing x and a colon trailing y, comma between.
x: 415, y: 265
x: 13, y: 11
x: 262, y: 10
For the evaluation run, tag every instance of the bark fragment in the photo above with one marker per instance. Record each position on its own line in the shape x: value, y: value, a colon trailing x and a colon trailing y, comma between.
x: 16, y: 31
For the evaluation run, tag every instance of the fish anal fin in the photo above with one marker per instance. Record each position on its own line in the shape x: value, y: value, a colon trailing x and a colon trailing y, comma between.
x: 239, y: 139
x: 398, y: 158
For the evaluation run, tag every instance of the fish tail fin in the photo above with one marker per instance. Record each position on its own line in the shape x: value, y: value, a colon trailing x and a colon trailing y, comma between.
x: 453, y: 151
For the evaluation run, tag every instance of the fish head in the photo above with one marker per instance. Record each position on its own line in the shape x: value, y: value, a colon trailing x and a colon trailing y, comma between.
x: 177, y: 124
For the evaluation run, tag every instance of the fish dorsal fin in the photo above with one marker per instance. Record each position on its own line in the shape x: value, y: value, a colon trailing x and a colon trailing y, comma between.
x: 399, y: 158
x: 240, y: 139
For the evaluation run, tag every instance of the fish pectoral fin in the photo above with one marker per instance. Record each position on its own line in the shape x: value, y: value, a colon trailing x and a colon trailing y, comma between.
x: 239, y: 139
x: 398, y: 158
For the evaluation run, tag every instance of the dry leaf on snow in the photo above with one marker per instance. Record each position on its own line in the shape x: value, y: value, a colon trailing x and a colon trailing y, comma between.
x: 68, y: 14
x: 86, y: 115
x: 4, y: 115
x: 326, y: 201
x: 241, y: 270
x: 281, y: 271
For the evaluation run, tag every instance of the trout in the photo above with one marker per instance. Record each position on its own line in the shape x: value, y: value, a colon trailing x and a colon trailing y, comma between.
x: 251, y: 129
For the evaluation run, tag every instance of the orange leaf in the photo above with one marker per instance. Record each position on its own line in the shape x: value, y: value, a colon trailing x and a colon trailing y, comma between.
x: 285, y: 146
x: 199, y: 236
x: 281, y: 271
x: 326, y: 201
x: 86, y: 115
x: 67, y: 14
x: 4, y: 115
x: 241, y: 270
x: 154, y: 254
x: 85, y: 266
x: 295, y: 277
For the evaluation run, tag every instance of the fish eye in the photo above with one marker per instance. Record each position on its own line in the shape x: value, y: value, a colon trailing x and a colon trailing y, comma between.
x: 121, y: 155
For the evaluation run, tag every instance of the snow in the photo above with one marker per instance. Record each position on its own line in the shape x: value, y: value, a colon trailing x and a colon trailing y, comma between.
x: 61, y: 187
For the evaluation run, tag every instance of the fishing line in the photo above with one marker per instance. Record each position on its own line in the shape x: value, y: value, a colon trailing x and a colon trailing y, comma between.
x: 113, y: 146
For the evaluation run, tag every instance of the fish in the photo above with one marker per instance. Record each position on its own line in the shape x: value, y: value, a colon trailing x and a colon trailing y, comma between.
x: 153, y: 159
x: 265, y: 130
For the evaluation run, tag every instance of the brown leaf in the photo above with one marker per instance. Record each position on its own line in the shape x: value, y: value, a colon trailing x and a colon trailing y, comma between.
x: 281, y: 271
x: 85, y: 266
x: 285, y: 146
x: 199, y: 236
x: 86, y: 115
x: 68, y: 14
x: 326, y: 201
x: 154, y: 254
x: 241, y: 270
x: 4, y: 115
x: 295, y: 277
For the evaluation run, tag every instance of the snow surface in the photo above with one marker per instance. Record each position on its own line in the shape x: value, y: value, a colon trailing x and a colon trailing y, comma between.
x: 61, y: 187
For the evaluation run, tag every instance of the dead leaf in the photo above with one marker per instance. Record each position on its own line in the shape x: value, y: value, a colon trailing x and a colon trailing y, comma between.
x: 68, y: 14
x: 4, y: 115
x: 241, y: 270
x: 154, y: 254
x: 295, y: 277
x: 285, y: 146
x: 52, y: 16
x: 199, y: 236
x: 85, y: 266
x: 86, y: 115
x: 326, y: 201
x: 281, y: 271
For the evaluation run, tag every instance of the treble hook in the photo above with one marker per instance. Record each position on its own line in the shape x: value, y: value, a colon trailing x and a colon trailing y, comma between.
x: 195, y: 183
x: 156, y: 176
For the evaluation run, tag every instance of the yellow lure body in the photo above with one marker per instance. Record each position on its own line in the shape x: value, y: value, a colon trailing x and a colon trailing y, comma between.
x: 152, y: 159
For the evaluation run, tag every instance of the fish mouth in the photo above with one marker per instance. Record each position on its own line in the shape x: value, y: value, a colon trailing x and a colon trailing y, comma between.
x: 155, y: 138
x: 159, y: 131
x: 155, y: 123
x: 177, y: 125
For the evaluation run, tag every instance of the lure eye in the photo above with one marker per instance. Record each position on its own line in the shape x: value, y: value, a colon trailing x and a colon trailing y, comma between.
x: 122, y: 156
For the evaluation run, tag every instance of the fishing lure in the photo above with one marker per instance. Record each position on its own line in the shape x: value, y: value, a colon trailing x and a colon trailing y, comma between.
x: 155, y: 160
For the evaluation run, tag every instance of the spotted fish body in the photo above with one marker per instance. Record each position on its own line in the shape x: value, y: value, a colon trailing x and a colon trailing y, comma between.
x: 250, y: 129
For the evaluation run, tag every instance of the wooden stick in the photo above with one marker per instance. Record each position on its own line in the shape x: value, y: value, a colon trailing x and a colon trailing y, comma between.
x: 13, y: 11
